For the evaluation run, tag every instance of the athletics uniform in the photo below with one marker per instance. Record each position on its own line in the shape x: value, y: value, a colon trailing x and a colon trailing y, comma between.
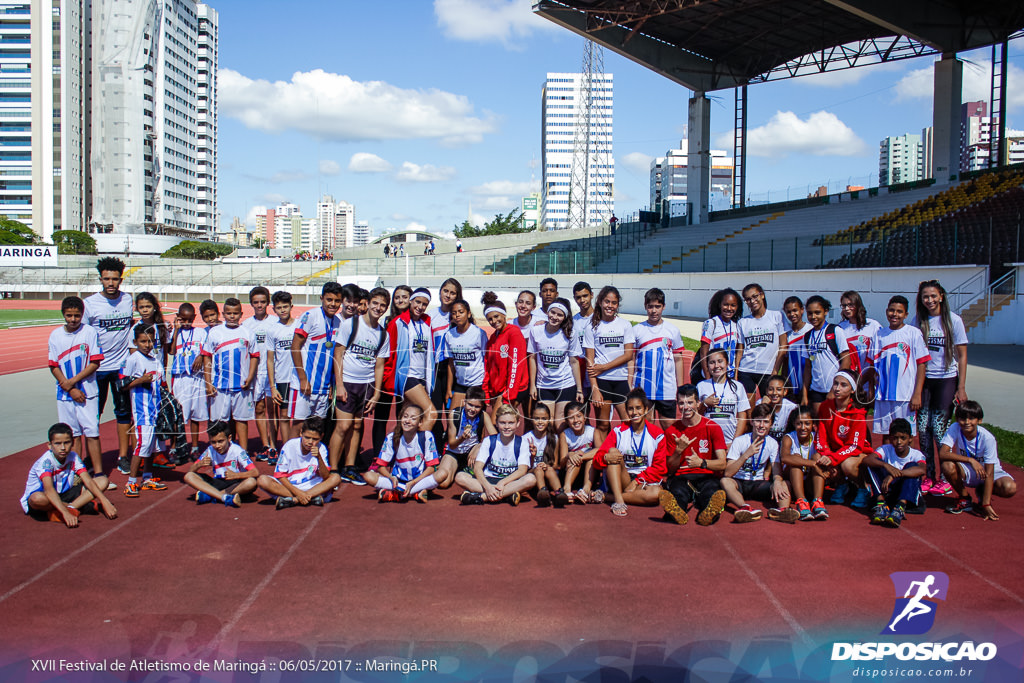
x: 411, y: 360
x: 260, y: 330
x: 750, y: 478
x: 461, y: 451
x: 231, y: 350
x: 71, y: 352
x: 898, y: 353
x: 358, y: 367
x: 540, y: 443
x: 796, y: 356
x: 301, y: 469
x: 320, y: 332
x: 780, y: 418
x: 505, y: 365
x: 500, y: 460
x: 732, y: 401
x: 554, y: 354
x: 411, y: 460
x: 761, y: 339
x: 609, y: 341
x: 187, y: 386
x: 824, y: 346
x: 643, y: 455
x: 579, y: 324
x: 66, y: 477
x: 145, y: 401
x: 235, y: 460
x: 982, y: 448
x: 941, y: 378
x: 112, y: 320
x: 719, y: 334
x: 861, y: 343
x: 579, y: 442
x: 466, y: 351
x: 908, y: 489
x: 279, y: 340
x: 806, y: 452
x: 657, y: 349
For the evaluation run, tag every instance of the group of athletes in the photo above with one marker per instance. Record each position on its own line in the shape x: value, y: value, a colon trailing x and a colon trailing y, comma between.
x: 567, y: 408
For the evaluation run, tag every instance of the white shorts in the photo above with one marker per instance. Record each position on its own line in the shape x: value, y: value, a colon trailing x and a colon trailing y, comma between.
x: 887, y: 411
x: 191, y: 394
x: 145, y: 441
x: 301, y: 406
x: 232, y: 405
x: 972, y: 479
x: 261, y: 388
x: 83, y: 418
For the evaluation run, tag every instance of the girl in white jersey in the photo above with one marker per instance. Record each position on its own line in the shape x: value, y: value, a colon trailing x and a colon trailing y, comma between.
x: 723, y: 399
x: 860, y: 330
x: 542, y: 441
x: 827, y: 352
x: 152, y: 318
x: 468, y: 426
x: 803, y: 463
x: 554, y: 373
x: 406, y: 466
x: 720, y: 331
x: 608, y: 344
x: 576, y: 449
x: 527, y: 313
x: 945, y: 376
x: 464, y: 347
x: 762, y: 344
x: 451, y: 290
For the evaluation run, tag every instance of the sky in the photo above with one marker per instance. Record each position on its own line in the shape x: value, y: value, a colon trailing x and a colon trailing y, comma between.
x: 425, y: 114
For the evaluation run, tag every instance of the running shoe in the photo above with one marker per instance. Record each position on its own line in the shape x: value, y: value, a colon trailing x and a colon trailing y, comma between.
x: 942, y: 488
x: 804, y: 508
x: 709, y: 515
x: 389, y: 496
x: 862, y: 499
x: 124, y: 465
x: 160, y: 460
x: 350, y: 475
x: 317, y: 501
x: 543, y: 498
x: 514, y: 499
x: 746, y: 514
x: 420, y: 497
x: 917, y: 508
x: 470, y: 498
x: 839, y: 495
x: 818, y: 509
x: 231, y: 500
x: 961, y: 505
x: 260, y: 455
x: 670, y: 505
x: 927, y: 485
x: 153, y: 484
x: 895, y: 517
x: 880, y: 513
x: 203, y: 498
x: 272, y: 457
x: 787, y: 515
x: 56, y: 516
x: 284, y: 502
x: 131, y: 489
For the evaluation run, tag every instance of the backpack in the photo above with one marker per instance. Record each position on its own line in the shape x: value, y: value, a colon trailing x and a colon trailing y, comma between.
x: 355, y: 328
x: 517, y: 443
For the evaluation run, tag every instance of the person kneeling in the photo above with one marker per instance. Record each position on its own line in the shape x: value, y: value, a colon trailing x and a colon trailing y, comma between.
x: 301, y: 476
x: 501, y: 465
x: 753, y: 471
x: 234, y: 474
x: 406, y: 466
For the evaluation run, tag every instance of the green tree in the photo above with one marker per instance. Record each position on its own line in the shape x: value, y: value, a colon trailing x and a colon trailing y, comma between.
x: 204, y: 251
x: 259, y: 242
x: 16, y: 232
x: 509, y: 223
x: 74, y: 242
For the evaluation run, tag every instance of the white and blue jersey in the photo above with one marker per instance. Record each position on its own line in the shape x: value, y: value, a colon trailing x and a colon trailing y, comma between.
x: 145, y: 398
x: 188, y: 347
x: 71, y: 352
x: 47, y: 466
x: 657, y: 348
x: 720, y: 334
x: 231, y: 350
x: 439, y: 324
x: 897, y: 355
x: 301, y: 469
x: 320, y: 332
x: 412, y: 459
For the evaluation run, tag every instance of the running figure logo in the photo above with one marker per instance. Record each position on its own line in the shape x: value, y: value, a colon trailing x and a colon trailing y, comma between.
x: 917, y: 595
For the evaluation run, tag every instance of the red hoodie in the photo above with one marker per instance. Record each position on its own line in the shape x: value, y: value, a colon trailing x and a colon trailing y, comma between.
x: 505, y: 365
x: 842, y: 434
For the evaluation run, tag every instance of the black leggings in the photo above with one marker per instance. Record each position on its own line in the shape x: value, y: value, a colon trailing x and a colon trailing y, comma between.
x: 932, y: 420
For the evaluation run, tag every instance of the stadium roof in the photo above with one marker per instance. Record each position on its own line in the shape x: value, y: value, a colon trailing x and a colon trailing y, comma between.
x: 708, y: 45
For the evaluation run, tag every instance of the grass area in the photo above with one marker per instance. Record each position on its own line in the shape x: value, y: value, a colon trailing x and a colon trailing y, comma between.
x: 691, y: 344
x: 1011, y: 445
x: 21, y: 318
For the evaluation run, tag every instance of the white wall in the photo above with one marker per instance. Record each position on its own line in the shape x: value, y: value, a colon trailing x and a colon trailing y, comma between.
x: 1006, y: 326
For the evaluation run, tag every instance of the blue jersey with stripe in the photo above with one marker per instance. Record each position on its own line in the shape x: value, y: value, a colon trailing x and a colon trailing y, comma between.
x: 796, y: 355
x: 188, y: 347
x: 320, y: 331
x: 231, y: 350
x: 145, y: 398
x: 71, y: 352
x: 657, y: 347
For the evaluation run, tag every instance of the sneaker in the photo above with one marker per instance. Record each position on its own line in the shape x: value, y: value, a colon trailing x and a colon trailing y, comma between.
x: 927, y: 484
x: 202, y: 498
x: 787, y: 515
x: 153, y: 484
x: 745, y: 514
x: 514, y: 499
x: 56, y: 516
x: 389, y: 496
x: 543, y: 498
x: 560, y: 499
x: 111, y: 486
x: 131, y: 489
x: 879, y: 514
x: 350, y: 475
x: 942, y: 488
x: 284, y: 502
x: 160, y: 460
x: 862, y: 499
x: 124, y: 465
x: 317, y: 501
x: 918, y: 508
x: 895, y: 517
x: 260, y: 455
x: 961, y: 505
x: 804, y: 508
x: 272, y: 457
x: 231, y: 501
x: 818, y: 509
x: 671, y: 507
x: 839, y: 495
x: 470, y: 498
x: 196, y: 452
x: 709, y: 515
x: 421, y: 497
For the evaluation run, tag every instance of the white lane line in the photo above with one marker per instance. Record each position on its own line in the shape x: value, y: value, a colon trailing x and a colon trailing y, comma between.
x: 1002, y: 589
x: 67, y: 558
x: 776, y: 603
x: 251, y: 600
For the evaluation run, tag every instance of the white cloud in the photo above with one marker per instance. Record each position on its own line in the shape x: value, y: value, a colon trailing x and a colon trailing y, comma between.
x: 506, y: 187
x: 332, y: 106
x: 920, y: 83
x: 274, y: 198
x: 486, y: 20
x: 413, y: 225
x: 250, y: 216
x: 329, y: 167
x: 364, y: 162
x: 398, y: 217
x: 821, y: 134
x: 499, y: 202
x: 477, y: 220
x: 427, y: 173
x: 286, y: 176
x: 638, y: 162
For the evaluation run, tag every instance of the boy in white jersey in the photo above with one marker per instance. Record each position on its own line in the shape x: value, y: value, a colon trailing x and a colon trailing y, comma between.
x: 658, y: 368
x: 900, y: 359
x: 975, y: 462
x: 74, y: 356
x: 233, y: 476
x: 51, y: 488
x: 893, y: 473
x: 302, y: 476
x: 312, y: 352
x: 147, y: 376
x: 187, y: 381
x: 753, y: 471
x: 259, y: 327
x: 230, y: 365
x: 280, y: 367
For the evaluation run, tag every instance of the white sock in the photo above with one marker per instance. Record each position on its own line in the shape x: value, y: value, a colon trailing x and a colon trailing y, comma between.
x: 384, y: 484
x: 424, y: 484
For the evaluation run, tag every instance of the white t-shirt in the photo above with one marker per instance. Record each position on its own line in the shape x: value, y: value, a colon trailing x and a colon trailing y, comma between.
x: 887, y: 454
x: 467, y: 353
x: 540, y: 442
x: 732, y: 400
x: 657, y: 348
x: 897, y: 355
x: 501, y: 460
x: 279, y: 340
x: 936, y: 367
x: 260, y: 329
x: 300, y: 469
x: 806, y: 452
x: 579, y: 442
x: 754, y: 467
x: 824, y: 363
x: 780, y: 420
x: 796, y: 355
x: 579, y: 322
x: 553, y: 353
x: 760, y: 340
x: 609, y: 342
x: 361, y: 357
x: 438, y: 326
x: 112, y: 319
x: 71, y: 352
x: 982, y: 447
x: 534, y: 322
x: 718, y: 334
x: 862, y: 351
x: 419, y: 342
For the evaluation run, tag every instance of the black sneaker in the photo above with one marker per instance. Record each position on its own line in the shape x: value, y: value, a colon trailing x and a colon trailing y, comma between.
x: 124, y: 465
x: 354, y: 477
x: 285, y: 502
x: 318, y: 501
x: 272, y: 457
x: 261, y: 455
x: 560, y: 499
x: 470, y: 498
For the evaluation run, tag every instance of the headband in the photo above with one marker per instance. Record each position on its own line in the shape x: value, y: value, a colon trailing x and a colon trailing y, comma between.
x: 847, y: 376
x: 421, y: 292
x: 494, y: 309
x: 555, y: 304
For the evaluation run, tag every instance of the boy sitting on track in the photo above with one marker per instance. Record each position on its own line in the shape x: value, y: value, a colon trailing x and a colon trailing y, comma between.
x: 893, y: 473
x: 302, y: 476
x: 234, y: 475
x: 51, y: 488
x: 754, y: 471
x: 975, y: 464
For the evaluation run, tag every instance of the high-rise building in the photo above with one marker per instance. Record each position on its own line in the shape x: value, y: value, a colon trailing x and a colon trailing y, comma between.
x: 361, y: 234
x: 561, y: 106
x: 975, y: 135
x: 16, y: 151
x: 207, y: 215
x: 337, y: 223
x: 901, y: 159
x: 668, y: 181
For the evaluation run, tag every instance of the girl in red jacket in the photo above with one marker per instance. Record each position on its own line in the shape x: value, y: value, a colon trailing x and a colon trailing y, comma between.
x: 843, y: 436
x: 508, y: 378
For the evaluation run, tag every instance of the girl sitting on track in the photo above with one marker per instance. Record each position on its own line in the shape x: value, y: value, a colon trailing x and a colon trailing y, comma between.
x: 467, y: 427
x: 720, y: 331
x: 505, y: 359
x: 781, y: 406
x: 464, y: 347
x: 827, y: 352
x: 501, y: 465
x: 405, y: 468
x: 860, y: 330
x: 543, y: 444
x: 632, y: 458
x: 723, y: 399
x: 608, y: 343
x: 527, y: 313
x: 844, y: 437
x: 576, y: 452
x: 802, y: 462
x: 554, y: 372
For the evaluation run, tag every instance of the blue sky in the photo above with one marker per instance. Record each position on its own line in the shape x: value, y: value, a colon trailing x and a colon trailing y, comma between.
x: 426, y: 113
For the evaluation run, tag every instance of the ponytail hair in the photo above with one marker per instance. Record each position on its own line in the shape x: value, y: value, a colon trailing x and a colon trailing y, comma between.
x: 566, y: 326
x: 595, y: 319
x: 396, y: 437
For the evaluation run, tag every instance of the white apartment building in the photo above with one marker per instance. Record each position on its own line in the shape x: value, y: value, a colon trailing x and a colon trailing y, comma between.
x: 16, y: 153
x: 561, y: 105
x: 207, y: 215
x: 337, y: 223
x: 668, y: 181
x: 901, y: 159
x: 361, y: 234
